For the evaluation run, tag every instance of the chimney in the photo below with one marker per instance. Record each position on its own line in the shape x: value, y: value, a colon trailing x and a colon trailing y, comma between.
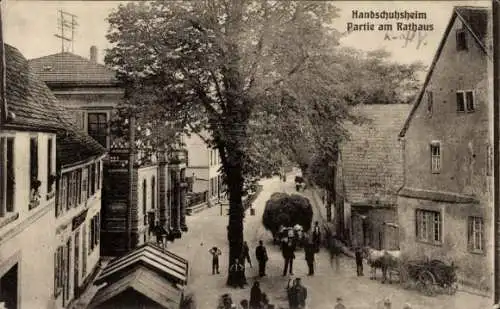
x: 93, y: 53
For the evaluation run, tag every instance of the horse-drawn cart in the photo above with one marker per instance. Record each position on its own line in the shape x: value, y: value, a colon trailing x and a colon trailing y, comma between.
x: 429, y: 277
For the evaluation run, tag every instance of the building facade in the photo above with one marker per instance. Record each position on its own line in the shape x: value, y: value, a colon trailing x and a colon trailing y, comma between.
x: 205, y: 169
x: 445, y: 207
x: 138, y: 199
x: 368, y: 176
x: 37, y: 141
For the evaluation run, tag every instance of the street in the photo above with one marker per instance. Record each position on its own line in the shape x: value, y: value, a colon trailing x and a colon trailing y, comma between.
x: 208, y: 228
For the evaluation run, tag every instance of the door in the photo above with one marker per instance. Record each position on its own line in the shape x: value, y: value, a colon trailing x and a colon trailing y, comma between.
x: 77, y: 263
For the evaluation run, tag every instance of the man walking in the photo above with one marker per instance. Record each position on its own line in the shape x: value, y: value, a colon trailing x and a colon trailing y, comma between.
x: 261, y: 255
x: 215, y: 252
x: 335, y: 252
x: 245, y: 254
x: 359, y: 261
x: 288, y: 255
x: 310, y: 251
x: 316, y: 235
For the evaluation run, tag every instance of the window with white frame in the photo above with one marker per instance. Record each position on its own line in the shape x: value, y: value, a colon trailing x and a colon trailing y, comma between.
x: 465, y: 101
x: 435, y: 157
x: 489, y: 160
x: 428, y: 226
x: 7, y: 175
x: 475, y: 234
x: 35, y: 183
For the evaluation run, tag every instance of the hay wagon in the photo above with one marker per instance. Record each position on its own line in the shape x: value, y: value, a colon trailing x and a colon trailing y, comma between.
x: 429, y: 277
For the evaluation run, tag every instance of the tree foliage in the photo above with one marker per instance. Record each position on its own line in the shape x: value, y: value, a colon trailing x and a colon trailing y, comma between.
x: 235, y: 69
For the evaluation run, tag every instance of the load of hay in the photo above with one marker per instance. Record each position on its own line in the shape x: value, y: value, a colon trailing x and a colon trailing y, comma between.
x: 287, y: 210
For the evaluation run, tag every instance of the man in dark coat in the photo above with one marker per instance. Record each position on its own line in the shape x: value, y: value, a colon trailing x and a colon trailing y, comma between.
x: 245, y: 254
x: 255, y: 296
x: 288, y: 251
x: 261, y: 255
x: 359, y: 261
x: 310, y: 251
x: 316, y: 235
x: 298, y: 294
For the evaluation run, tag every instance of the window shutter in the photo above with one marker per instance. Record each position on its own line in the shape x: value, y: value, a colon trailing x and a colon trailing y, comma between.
x: 470, y: 233
x: 460, y: 102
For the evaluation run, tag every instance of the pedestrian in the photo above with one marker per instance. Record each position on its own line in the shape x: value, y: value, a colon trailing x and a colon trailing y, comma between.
x: 310, y: 251
x: 245, y: 254
x: 387, y: 303
x: 339, y: 304
x: 255, y: 296
x: 261, y: 255
x: 288, y: 252
x: 359, y: 261
x: 244, y: 304
x: 215, y: 252
x: 299, y: 295
x: 236, y: 271
x: 335, y: 251
x: 317, y: 235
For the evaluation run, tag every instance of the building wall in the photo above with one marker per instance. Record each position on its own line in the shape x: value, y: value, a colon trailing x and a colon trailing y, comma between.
x: 145, y: 175
x: 474, y: 268
x: 198, y: 153
x: 458, y: 132
x: 21, y: 239
x: 376, y: 233
x: 465, y: 138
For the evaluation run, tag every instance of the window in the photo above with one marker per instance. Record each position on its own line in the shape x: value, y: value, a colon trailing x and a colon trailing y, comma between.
x: 428, y: 226
x: 144, y: 201
x: 489, y: 161
x: 98, y: 174
x: 95, y: 229
x: 153, y: 192
x: 71, y: 191
x: 97, y: 127
x: 461, y: 39
x: 58, y: 270
x: 50, y: 179
x: 92, y: 179
x: 429, y: 102
x: 34, y: 182
x: 465, y: 101
x: 78, y: 198
x: 475, y: 234
x: 7, y: 175
x: 435, y: 157
x: 62, y: 201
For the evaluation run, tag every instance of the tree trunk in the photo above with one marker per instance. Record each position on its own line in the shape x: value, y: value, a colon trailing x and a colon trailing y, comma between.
x: 235, y: 227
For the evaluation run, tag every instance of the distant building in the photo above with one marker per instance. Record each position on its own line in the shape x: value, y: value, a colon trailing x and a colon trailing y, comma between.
x: 445, y: 208
x: 137, y: 202
x: 205, y: 169
x: 369, y: 174
x: 39, y: 148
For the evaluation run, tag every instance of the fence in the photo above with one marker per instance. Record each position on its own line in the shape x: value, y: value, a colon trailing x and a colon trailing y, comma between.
x: 197, y: 198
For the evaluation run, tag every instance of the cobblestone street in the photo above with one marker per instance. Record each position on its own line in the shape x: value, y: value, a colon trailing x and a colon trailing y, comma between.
x: 208, y: 228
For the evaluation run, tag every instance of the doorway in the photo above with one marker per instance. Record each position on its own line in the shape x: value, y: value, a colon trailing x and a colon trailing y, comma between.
x: 8, y: 288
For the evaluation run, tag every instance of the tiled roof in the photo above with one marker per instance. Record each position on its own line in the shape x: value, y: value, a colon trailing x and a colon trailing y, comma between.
x: 145, y: 282
x: 69, y: 68
x: 164, y: 262
x: 477, y: 20
x: 35, y: 108
x: 371, y: 159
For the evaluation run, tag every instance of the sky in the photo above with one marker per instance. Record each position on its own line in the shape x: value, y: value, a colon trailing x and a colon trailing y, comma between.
x: 30, y: 26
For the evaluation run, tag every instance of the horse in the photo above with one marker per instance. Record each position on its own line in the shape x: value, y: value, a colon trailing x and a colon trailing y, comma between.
x: 386, y: 260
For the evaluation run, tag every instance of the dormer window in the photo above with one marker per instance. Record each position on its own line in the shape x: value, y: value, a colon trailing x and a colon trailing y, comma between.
x: 461, y: 37
x: 47, y: 68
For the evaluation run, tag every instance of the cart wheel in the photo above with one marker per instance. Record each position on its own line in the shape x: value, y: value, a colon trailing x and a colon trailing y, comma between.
x: 452, y: 288
x: 426, y: 283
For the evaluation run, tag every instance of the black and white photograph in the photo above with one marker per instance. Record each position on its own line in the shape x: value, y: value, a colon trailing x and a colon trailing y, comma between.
x: 249, y: 154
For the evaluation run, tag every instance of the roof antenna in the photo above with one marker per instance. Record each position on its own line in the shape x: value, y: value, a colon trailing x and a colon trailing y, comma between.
x: 66, y: 22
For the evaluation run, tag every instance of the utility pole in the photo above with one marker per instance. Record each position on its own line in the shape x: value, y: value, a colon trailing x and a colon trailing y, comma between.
x: 66, y: 23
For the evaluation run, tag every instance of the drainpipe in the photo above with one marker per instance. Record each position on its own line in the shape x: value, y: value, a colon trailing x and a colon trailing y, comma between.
x: 496, y: 136
x: 402, y: 141
x: 131, y: 160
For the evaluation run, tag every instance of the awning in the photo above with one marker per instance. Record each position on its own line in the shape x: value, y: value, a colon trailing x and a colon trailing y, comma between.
x: 163, y: 262
x: 145, y: 282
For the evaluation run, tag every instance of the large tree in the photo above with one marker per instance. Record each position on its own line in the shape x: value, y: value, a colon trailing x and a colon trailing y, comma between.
x: 222, y: 65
